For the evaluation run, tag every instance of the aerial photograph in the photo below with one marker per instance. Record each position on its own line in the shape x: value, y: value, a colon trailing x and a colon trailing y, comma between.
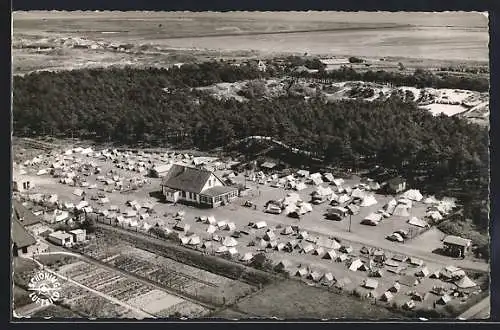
x: 250, y: 165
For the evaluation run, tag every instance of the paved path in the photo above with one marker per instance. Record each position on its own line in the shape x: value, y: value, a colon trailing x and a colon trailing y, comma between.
x: 138, y: 311
x: 478, y: 311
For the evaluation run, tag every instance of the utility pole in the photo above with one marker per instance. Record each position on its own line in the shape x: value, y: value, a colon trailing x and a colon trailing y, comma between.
x: 350, y: 219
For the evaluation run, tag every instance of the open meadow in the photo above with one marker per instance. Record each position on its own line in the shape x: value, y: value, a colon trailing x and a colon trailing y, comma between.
x: 62, y: 40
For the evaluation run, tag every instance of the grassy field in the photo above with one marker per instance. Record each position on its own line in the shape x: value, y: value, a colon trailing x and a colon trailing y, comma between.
x: 167, y: 38
x: 287, y: 298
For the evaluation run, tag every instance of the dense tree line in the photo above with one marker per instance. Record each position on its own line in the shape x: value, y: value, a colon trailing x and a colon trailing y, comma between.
x: 131, y: 105
x: 420, y: 78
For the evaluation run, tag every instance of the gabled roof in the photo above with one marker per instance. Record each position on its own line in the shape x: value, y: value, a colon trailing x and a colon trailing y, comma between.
x: 20, y: 235
x: 186, y: 178
x: 25, y: 216
x: 456, y: 240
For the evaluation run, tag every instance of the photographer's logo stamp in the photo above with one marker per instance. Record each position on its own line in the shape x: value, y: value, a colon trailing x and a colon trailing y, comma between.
x: 45, y: 287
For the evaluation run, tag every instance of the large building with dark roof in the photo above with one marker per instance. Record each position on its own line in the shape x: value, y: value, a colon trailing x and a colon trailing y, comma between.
x: 24, y: 243
x: 197, y: 186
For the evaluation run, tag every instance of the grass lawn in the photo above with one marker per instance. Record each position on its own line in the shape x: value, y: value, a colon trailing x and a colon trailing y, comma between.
x: 291, y: 299
x: 55, y: 311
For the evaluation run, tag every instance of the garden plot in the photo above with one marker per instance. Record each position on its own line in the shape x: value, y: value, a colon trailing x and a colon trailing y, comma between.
x: 135, y: 293
x: 91, y: 305
x: 184, y: 309
x: 194, y: 283
x: 155, y: 301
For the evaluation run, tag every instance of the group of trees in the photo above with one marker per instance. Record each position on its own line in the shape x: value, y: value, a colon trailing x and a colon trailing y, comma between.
x: 130, y: 105
x: 420, y: 78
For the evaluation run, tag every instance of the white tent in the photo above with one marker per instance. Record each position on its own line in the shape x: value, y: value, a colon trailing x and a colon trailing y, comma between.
x: 78, y: 192
x: 372, y: 219
x: 338, y: 182
x: 287, y: 230
x: 413, y: 194
x: 418, y: 222
x: 323, y: 191
x: 303, y: 173
x: 230, y: 226
x: 260, y: 224
x: 328, y: 177
x: 229, y: 241
x: 406, y: 202
x: 300, y: 186
x: 211, y: 229
x: 221, y: 249
x: 387, y: 296
x: 424, y: 272
x: 390, y: 206
x: 341, y: 257
x: 343, y: 199
x: 301, y: 272
x: 194, y: 240
x: 318, y: 251
x: 269, y: 235
x: 401, y: 211
x: 370, y: 284
x: 280, y: 246
x: 306, y: 248
x: 211, y: 220
x: 369, y: 200
x: 358, y: 193
x: 221, y: 224
x: 82, y: 205
x: 330, y: 255
x: 42, y: 172
x: 247, y: 257
x: 355, y: 265
x: 303, y: 235
x: 431, y: 200
x: 435, y: 215
x: 305, y: 208
x: 465, y: 283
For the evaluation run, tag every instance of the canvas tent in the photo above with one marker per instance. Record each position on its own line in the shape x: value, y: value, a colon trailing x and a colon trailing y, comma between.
x: 401, y: 211
x: 358, y: 193
x: 443, y: 300
x: 413, y: 194
x: 370, y: 283
x: 331, y: 255
x: 287, y: 230
x: 368, y: 200
x: 328, y: 177
x: 341, y: 257
x: 431, y: 200
x: 260, y: 224
x: 301, y: 272
x: 314, y: 276
x: 229, y: 242
x: 387, y: 296
x: 327, y: 279
x: 418, y: 222
x: 465, y: 283
x: 390, y: 206
x: 372, y: 219
x: 424, y: 272
x: 306, y: 248
x: 247, y: 257
x: 355, y: 265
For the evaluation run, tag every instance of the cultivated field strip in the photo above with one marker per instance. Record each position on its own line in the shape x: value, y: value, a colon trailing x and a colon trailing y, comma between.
x: 132, y: 292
